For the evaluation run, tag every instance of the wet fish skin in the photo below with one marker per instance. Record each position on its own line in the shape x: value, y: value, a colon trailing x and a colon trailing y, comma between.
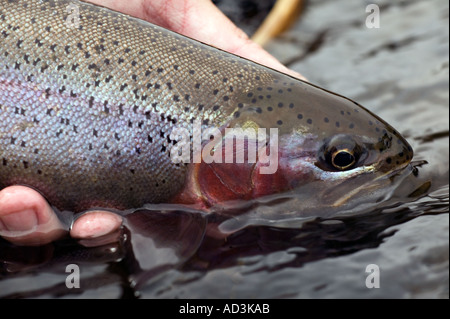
x: 86, y: 112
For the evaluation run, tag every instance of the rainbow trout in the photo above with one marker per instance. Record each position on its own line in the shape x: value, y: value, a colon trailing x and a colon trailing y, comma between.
x: 90, y: 99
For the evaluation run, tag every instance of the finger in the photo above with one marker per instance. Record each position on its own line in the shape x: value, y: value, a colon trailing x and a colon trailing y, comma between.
x: 96, y: 225
x: 26, y: 218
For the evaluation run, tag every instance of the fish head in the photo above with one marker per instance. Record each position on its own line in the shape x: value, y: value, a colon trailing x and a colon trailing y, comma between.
x: 315, y: 143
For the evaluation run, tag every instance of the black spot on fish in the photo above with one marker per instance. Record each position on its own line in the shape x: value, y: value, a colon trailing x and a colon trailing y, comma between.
x: 300, y: 116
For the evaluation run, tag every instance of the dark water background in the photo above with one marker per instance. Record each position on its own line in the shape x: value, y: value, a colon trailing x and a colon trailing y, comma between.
x: 400, y: 72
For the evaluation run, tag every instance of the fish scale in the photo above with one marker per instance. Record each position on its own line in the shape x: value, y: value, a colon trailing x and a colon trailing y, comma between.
x: 87, y: 110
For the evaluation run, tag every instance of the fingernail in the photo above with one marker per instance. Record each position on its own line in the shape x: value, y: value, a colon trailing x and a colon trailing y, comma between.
x: 24, y: 220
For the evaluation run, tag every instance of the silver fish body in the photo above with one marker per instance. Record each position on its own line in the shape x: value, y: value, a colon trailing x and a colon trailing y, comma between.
x: 88, y: 104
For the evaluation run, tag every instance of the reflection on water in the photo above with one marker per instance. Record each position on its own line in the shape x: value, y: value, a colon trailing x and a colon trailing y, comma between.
x: 174, y: 253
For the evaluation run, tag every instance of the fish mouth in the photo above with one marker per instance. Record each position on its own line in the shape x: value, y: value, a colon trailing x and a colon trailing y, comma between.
x: 382, y: 185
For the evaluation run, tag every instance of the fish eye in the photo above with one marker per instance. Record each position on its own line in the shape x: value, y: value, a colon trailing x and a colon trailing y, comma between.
x: 340, y: 153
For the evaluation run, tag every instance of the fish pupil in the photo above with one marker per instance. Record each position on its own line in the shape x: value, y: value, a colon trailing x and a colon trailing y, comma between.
x: 343, y: 159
